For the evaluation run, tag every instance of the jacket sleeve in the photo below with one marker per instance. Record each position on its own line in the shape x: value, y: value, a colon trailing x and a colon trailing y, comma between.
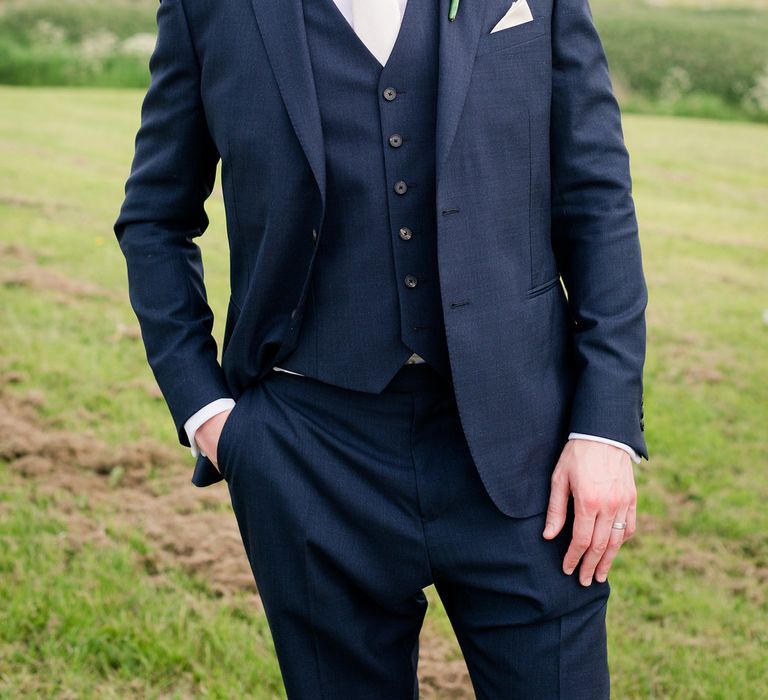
x: 172, y: 174
x: 595, y: 233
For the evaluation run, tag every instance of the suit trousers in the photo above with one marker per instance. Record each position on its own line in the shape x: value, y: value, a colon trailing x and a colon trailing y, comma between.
x: 350, y: 503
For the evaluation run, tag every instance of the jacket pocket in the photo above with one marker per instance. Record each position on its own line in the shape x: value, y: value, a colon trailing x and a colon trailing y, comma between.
x: 512, y: 36
x: 544, y: 287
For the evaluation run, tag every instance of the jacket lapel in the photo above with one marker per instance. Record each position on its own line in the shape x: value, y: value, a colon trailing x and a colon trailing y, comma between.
x: 281, y: 23
x: 456, y: 56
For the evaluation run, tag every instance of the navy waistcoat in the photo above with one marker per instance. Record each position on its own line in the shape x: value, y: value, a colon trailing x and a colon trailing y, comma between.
x: 374, y: 297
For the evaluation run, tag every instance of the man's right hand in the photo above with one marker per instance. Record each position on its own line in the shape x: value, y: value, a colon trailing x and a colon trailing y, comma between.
x: 207, y: 435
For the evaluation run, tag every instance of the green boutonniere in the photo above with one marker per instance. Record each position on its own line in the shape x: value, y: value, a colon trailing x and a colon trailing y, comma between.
x: 452, y: 10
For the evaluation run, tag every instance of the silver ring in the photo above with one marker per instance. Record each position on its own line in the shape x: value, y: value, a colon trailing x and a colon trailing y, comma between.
x: 619, y: 526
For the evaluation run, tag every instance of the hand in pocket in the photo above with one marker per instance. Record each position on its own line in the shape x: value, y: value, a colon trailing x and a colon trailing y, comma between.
x: 208, y: 434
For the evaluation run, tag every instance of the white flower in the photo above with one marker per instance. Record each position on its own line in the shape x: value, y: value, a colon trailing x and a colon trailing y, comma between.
x: 139, y: 44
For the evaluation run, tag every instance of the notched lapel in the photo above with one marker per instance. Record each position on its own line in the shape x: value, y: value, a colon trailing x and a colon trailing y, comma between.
x: 281, y: 23
x: 456, y: 56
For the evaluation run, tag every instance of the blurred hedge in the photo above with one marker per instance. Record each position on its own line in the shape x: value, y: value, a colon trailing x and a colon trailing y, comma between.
x: 76, y: 42
x: 708, y: 59
x: 678, y: 60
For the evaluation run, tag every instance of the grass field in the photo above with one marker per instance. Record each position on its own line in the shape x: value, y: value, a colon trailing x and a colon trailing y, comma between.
x: 119, y: 579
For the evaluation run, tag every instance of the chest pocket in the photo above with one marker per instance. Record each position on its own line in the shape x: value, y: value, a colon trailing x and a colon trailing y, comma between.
x: 513, y: 36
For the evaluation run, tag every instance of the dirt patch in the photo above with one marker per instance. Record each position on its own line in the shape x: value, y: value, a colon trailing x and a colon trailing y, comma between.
x: 738, y: 569
x: 146, y: 386
x: 42, y: 279
x: 140, y: 485
x: 28, y: 273
x: 442, y: 674
x: 47, y: 208
x: 126, y: 332
x: 103, y: 491
x: 16, y: 251
x: 690, y: 359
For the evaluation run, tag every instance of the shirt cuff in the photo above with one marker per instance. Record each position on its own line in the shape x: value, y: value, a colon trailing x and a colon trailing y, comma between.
x: 635, y: 457
x: 198, y: 418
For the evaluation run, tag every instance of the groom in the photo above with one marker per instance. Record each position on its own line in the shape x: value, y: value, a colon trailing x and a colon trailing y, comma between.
x: 406, y: 394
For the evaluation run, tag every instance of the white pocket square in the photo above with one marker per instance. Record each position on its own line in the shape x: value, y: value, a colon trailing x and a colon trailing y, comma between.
x: 518, y: 13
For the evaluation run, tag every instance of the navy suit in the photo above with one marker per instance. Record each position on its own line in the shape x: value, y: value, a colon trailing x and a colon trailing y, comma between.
x: 531, y: 187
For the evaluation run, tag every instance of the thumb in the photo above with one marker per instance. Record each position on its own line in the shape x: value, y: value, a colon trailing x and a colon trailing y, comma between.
x: 558, y: 507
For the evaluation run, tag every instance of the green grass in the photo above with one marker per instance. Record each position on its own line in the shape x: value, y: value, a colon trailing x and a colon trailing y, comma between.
x: 689, y: 593
x: 78, y: 620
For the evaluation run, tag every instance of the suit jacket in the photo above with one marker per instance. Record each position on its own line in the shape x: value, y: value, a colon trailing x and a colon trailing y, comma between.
x: 533, y: 189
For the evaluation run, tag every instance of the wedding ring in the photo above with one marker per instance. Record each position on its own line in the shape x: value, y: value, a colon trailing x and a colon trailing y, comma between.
x: 619, y: 526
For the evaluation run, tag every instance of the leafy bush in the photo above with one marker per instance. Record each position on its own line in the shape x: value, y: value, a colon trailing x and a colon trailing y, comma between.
x: 77, y: 19
x: 671, y: 59
x: 77, y: 42
x: 678, y: 56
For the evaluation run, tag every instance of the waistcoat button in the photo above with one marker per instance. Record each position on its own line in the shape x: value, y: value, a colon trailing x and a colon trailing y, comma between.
x: 410, y: 281
x: 389, y: 94
x: 396, y: 140
x: 401, y: 187
x: 406, y: 233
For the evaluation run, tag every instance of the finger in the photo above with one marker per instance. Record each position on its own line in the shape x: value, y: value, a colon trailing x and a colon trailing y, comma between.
x: 631, y: 519
x: 222, y: 419
x: 615, y: 541
x: 558, y: 504
x: 214, y: 458
x: 583, y: 527
x: 597, y: 547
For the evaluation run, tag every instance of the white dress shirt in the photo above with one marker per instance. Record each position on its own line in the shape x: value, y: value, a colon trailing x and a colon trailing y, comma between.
x: 347, y: 8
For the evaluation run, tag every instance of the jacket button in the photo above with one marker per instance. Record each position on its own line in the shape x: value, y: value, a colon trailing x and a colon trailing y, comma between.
x: 395, y: 140
x: 314, y: 234
x: 406, y: 233
x: 389, y: 94
x: 401, y: 187
x: 410, y: 281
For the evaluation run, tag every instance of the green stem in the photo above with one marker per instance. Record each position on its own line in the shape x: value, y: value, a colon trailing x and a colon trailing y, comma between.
x: 453, y: 9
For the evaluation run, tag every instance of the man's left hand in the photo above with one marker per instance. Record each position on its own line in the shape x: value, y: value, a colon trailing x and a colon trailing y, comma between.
x: 601, y: 479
